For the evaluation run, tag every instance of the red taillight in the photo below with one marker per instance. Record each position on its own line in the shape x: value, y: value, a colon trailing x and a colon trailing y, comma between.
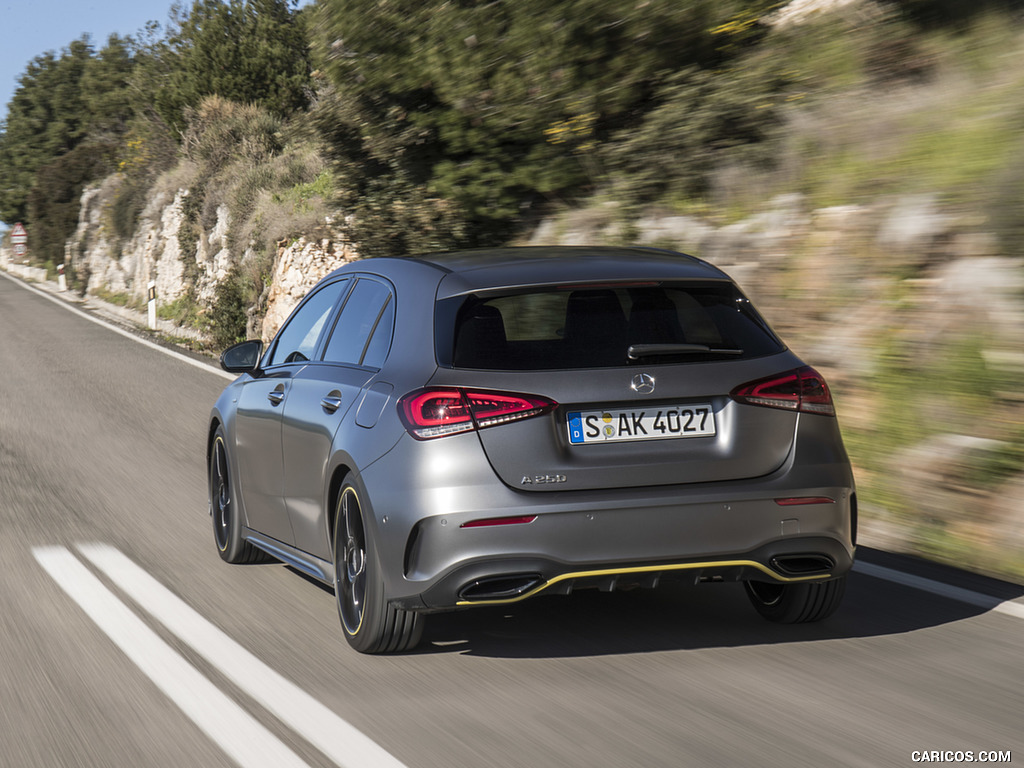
x: 801, y: 390
x: 435, y: 412
x: 799, y: 501
x: 440, y: 411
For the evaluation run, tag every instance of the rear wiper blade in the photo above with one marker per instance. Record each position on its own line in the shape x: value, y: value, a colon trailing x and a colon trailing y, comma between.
x: 636, y: 351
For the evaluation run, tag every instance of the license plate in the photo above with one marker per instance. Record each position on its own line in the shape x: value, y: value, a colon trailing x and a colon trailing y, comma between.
x: 622, y: 424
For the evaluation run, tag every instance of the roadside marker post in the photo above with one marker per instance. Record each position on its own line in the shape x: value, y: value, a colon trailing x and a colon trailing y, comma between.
x: 152, y: 305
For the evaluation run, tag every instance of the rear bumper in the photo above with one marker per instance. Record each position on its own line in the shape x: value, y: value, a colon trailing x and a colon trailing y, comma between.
x: 501, y: 581
x: 605, y: 538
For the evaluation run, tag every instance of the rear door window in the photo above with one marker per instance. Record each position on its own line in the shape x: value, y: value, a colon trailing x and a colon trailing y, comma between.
x: 297, y: 341
x: 362, y: 335
x: 595, y: 327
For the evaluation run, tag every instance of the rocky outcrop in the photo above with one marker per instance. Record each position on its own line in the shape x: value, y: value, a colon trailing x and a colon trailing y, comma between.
x: 89, y: 252
x: 153, y: 252
x: 213, y: 258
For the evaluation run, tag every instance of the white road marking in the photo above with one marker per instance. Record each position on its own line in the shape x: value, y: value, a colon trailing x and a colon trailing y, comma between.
x: 126, y: 334
x: 325, y: 730
x: 939, y: 588
x: 233, y: 729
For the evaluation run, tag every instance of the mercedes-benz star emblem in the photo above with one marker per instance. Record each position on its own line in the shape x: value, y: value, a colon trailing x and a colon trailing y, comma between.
x: 643, y: 384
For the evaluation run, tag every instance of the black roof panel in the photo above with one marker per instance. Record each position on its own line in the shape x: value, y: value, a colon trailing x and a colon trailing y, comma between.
x: 497, y: 268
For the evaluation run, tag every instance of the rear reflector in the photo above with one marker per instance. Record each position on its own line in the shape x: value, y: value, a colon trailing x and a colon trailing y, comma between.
x: 803, y: 389
x: 489, y: 521
x: 438, y: 411
x: 797, y: 501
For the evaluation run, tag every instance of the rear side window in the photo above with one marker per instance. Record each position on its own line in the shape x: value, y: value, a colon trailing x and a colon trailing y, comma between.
x: 595, y: 327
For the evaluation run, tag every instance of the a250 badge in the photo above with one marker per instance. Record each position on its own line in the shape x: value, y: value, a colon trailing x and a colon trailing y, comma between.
x: 542, y: 479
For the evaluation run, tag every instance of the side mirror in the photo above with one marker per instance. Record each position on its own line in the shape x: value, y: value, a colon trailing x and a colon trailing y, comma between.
x: 243, y: 357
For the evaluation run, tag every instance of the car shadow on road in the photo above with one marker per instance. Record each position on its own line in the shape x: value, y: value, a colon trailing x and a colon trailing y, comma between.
x: 680, y: 616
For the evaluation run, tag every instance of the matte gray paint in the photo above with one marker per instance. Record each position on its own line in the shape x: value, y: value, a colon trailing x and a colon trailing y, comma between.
x: 308, y: 432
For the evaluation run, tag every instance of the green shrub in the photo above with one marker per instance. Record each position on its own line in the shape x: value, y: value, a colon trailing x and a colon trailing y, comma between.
x: 229, y: 313
x: 705, y: 119
x: 922, y: 391
x: 147, y: 151
x: 184, y: 311
x: 301, y: 194
x: 1007, y: 204
x: 220, y: 131
x: 125, y: 208
x: 117, y: 298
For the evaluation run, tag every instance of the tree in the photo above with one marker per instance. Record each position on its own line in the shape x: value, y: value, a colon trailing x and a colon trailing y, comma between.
x: 45, y: 119
x: 63, y: 129
x: 105, y: 85
x: 247, y: 51
x: 52, y: 203
x: 496, y: 106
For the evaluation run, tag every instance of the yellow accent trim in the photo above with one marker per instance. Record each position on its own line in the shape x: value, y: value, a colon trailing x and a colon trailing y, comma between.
x: 646, y: 569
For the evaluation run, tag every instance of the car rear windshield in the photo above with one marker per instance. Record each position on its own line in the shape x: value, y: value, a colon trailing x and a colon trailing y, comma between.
x: 602, y: 326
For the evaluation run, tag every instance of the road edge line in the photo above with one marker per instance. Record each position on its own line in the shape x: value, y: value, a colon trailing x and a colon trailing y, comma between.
x: 127, y: 334
x: 989, y: 603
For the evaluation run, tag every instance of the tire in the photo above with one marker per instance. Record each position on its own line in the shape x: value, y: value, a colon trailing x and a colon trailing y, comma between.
x: 798, y: 603
x: 370, y: 623
x: 227, y: 522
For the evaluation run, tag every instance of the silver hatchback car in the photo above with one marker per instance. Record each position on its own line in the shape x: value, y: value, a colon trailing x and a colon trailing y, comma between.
x: 476, y: 428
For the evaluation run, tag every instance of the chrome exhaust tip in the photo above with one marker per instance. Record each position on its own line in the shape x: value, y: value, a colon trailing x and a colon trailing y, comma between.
x: 500, y: 587
x: 807, y: 564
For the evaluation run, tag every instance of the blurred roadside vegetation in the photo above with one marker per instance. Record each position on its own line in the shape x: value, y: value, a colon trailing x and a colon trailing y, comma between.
x: 415, y: 125
x: 432, y: 125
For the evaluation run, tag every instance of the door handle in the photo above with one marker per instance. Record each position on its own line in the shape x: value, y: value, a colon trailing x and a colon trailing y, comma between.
x: 331, y: 403
x: 276, y: 397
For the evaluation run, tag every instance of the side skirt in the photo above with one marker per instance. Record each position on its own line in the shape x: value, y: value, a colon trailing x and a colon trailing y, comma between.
x: 320, y: 570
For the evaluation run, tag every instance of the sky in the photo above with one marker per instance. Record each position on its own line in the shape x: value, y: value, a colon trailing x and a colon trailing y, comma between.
x: 29, y: 28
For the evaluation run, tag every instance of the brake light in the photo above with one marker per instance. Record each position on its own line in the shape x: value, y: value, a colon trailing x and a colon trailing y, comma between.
x: 803, y: 389
x: 613, y: 285
x: 439, y: 411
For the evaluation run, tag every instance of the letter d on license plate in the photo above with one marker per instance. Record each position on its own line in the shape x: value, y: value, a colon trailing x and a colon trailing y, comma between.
x: 617, y: 424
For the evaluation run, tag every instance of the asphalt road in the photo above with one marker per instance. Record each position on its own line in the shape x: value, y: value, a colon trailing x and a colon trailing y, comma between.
x: 125, y: 641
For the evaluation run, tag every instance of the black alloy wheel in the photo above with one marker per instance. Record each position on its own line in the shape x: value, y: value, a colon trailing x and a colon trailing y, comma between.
x: 350, y: 563
x: 227, y: 525
x: 370, y: 623
x: 220, y: 494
